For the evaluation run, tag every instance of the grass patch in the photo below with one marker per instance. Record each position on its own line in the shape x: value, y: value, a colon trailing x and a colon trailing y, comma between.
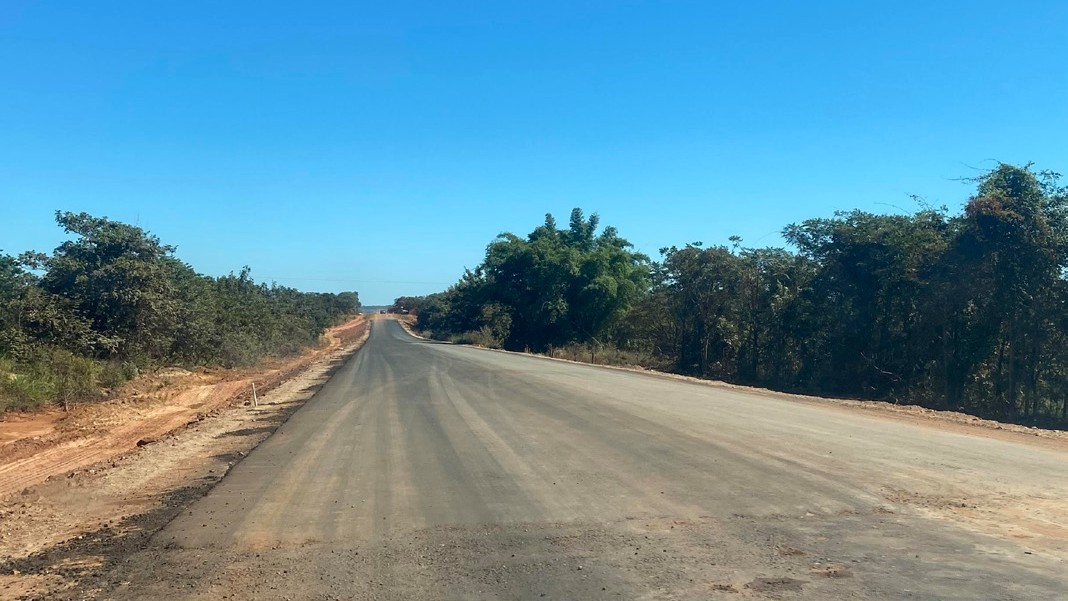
x: 483, y: 337
x: 609, y: 355
x: 51, y: 376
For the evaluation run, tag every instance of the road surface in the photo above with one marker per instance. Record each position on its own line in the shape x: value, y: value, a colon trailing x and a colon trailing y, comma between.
x: 432, y: 471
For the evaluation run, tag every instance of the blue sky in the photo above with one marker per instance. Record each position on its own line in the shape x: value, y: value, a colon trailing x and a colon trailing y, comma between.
x: 379, y: 146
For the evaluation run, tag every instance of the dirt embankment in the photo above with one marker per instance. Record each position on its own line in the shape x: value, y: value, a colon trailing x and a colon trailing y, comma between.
x: 37, y: 446
x: 79, y: 491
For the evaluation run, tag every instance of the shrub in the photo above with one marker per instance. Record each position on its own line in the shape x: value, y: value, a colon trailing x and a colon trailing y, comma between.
x: 47, y: 375
x: 481, y: 337
x: 116, y: 373
x: 609, y: 355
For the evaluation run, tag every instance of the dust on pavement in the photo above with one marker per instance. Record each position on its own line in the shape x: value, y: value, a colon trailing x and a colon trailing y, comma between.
x: 424, y: 470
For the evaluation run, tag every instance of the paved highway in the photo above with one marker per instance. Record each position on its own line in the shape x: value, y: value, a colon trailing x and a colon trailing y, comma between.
x: 432, y: 471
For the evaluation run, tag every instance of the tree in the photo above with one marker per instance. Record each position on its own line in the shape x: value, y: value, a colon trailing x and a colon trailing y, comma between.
x: 548, y: 289
x: 407, y: 304
x: 13, y: 284
x: 965, y: 311
x: 121, y: 279
x: 1012, y: 245
x: 871, y: 276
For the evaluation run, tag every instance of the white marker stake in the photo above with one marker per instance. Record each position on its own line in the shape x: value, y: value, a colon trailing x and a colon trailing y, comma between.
x: 255, y: 400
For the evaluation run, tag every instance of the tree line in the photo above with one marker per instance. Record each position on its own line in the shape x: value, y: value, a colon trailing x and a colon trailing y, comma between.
x: 964, y: 311
x: 114, y: 300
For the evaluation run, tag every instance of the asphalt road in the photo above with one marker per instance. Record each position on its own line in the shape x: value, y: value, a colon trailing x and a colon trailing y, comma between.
x: 431, y: 471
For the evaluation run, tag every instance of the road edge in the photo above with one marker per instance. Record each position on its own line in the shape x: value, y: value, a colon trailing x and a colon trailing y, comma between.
x: 111, y: 509
x: 915, y: 414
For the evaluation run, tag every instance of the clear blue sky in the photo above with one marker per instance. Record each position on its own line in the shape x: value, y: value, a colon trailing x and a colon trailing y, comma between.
x: 379, y: 146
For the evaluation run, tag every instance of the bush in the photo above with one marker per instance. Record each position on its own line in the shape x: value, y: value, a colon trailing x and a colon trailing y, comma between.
x: 240, y: 349
x: 116, y: 373
x: 481, y: 337
x: 47, y: 375
x: 609, y: 355
x: 22, y: 391
x: 74, y: 377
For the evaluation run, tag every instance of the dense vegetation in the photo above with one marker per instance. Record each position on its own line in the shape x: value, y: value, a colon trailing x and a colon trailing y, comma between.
x: 552, y: 288
x: 114, y: 300
x: 966, y: 311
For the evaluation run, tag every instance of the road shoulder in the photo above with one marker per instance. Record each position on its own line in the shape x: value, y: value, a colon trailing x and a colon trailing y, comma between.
x: 944, y: 420
x: 58, y: 534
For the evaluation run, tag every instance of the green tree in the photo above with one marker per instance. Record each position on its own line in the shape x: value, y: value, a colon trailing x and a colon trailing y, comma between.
x: 121, y: 279
x: 114, y: 298
x: 965, y: 311
x: 1012, y: 246
x: 13, y: 284
x: 548, y: 289
x: 864, y: 297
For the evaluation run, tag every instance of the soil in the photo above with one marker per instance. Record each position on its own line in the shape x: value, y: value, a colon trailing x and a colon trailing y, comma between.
x: 80, y: 490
